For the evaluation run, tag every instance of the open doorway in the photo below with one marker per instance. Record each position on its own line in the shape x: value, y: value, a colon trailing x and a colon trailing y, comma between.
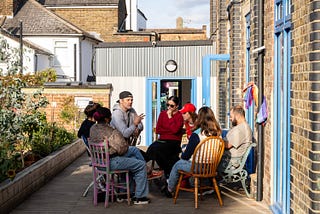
x: 158, y: 91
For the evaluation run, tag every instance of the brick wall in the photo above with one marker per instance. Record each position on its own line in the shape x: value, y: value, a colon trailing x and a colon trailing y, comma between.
x: 222, y: 42
x: 268, y: 90
x: 57, y: 97
x: 305, y: 106
x: 101, y: 20
x: 237, y: 78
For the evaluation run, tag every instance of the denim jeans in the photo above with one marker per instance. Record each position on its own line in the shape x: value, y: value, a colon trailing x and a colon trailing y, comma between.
x: 134, y: 152
x: 184, y: 165
x: 134, y: 162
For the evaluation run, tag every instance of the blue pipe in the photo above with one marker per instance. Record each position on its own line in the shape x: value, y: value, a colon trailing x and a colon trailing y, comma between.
x: 206, y: 75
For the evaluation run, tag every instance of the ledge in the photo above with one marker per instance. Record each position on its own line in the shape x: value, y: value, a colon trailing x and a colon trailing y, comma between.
x: 29, y: 180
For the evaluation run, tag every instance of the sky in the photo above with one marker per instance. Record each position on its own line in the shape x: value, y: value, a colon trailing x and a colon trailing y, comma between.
x: 163, y: 13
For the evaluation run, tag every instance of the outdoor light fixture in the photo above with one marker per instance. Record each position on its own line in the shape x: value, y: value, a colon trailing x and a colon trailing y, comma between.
x: 171, y: 65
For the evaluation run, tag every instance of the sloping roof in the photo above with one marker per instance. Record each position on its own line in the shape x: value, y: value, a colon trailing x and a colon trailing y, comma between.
x: 37, y: 20
x: 57, y: 3
x: 35, y: 47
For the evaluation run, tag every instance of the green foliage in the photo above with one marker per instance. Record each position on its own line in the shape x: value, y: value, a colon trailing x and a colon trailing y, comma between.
x: 23, y: 124
x: 10, y: 56
x: 69, y: 110
x: 49, y: 138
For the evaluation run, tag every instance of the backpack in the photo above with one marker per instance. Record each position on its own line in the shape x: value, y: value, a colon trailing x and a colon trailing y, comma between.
x: 117, y: 141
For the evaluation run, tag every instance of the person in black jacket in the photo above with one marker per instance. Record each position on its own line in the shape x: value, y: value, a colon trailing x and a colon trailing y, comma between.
x: 84, y: 130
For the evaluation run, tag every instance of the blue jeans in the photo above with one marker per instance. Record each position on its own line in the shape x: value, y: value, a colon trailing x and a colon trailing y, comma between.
x: 184, y: 165
x: 133, y: 152
x: 134, y: 162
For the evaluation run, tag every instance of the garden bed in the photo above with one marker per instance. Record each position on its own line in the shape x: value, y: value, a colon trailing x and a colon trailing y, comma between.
x: 29, y: 180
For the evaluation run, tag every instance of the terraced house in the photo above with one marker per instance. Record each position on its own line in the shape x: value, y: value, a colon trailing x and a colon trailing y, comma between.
x: 275, y: 45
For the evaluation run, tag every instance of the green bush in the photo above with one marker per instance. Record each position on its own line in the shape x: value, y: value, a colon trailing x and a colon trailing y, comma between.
x: 23, y: 125
x: 48, y: 139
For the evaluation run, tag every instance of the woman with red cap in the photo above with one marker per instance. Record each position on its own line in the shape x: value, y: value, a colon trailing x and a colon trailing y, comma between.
x: 189, y: 116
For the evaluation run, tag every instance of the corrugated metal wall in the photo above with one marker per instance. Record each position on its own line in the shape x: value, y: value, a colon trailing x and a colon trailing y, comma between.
x: 150, y: 61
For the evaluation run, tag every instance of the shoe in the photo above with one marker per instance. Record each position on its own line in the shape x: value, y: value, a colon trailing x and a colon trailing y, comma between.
x: 101, y: 187
x: 122, y: 198
x: 155, y: 174
x: 166, y: 192
x: 143, y: 200
x: 208, y: 192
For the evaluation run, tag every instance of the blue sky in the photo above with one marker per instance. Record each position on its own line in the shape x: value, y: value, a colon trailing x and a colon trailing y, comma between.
x: 163, y: 13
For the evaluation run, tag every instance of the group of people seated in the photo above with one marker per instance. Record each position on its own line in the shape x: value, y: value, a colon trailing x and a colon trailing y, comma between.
x: 166, y: 151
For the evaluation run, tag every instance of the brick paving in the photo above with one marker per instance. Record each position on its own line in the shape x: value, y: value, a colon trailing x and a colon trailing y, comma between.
x: 63, y: 194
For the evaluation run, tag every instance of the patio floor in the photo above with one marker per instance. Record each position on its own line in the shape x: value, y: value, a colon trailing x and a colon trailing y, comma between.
x: 63, y: 194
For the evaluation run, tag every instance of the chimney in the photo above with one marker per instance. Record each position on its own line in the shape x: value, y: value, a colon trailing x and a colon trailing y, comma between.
x: 179, y: 23
x: 6, y: 8
x: 10, y: 7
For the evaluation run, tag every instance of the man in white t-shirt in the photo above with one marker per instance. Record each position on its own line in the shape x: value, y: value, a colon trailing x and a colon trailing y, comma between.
x: 238, y: 138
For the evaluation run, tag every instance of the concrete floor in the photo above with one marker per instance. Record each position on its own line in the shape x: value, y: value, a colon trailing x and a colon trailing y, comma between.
x: 63, y: 194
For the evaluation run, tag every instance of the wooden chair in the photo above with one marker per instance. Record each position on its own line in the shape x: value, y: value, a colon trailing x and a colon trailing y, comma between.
x: 205, y: 160
x: 101, y: 166
x: 234, y: 174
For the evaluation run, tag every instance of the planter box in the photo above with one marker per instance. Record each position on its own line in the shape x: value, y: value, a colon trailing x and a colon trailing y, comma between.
x: 12, y: 193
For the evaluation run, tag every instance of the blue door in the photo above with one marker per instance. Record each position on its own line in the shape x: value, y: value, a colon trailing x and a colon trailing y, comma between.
x: 157, y: 92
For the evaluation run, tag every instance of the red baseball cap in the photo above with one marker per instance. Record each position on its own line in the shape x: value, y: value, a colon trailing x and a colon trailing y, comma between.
x: 188, y: 107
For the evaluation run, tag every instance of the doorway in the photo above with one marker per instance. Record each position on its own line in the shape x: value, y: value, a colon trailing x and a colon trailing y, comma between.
x: 157, y: 92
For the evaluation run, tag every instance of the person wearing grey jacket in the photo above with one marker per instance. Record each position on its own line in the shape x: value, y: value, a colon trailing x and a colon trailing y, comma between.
x: 125, y: 119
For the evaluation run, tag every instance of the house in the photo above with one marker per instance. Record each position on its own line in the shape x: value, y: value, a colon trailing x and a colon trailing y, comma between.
x: 275, y: 45
x: 35, y: 58
x: 72, y: 47
x: 117, y: 21
x: 104, y: 18
x: 155, y: 70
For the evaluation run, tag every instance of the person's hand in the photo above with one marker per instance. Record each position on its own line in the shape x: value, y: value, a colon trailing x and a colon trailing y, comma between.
x: 136, y: 132
x: 138, y: 119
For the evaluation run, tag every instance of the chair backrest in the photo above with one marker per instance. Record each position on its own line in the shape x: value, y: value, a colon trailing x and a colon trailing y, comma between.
x: 246, y: 154
x: 100, y: 155
x: 206, y: 156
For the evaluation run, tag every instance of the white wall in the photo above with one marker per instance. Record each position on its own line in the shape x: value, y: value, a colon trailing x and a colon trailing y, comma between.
x: 43, y: 62
x: 28, y: 56
x: 49, y: 43
x: 132, y: 18
x: 86, y: 55
x: 136, y: 85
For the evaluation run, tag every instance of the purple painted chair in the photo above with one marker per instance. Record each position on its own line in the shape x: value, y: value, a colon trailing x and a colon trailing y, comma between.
x: 100, y: 166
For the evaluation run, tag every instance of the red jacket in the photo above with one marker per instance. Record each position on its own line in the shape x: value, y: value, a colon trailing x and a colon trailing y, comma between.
x: 170, y: 129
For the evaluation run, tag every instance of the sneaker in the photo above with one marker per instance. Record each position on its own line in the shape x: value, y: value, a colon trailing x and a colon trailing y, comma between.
x: 122, y: 198
x: 101, y: 187
x: 143, y: 200
x: 155, y: 174
x: 208, y: 192
x: 166, y: 192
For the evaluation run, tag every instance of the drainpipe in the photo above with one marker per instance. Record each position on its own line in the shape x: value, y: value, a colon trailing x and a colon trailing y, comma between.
x: 260, y: 158
x: 21, y: 48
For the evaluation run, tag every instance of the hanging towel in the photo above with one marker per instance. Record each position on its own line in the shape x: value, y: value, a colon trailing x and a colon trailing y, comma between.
x: 262, y: 115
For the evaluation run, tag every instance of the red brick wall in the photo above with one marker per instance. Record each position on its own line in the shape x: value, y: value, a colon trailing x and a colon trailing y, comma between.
x: 58, y: 96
